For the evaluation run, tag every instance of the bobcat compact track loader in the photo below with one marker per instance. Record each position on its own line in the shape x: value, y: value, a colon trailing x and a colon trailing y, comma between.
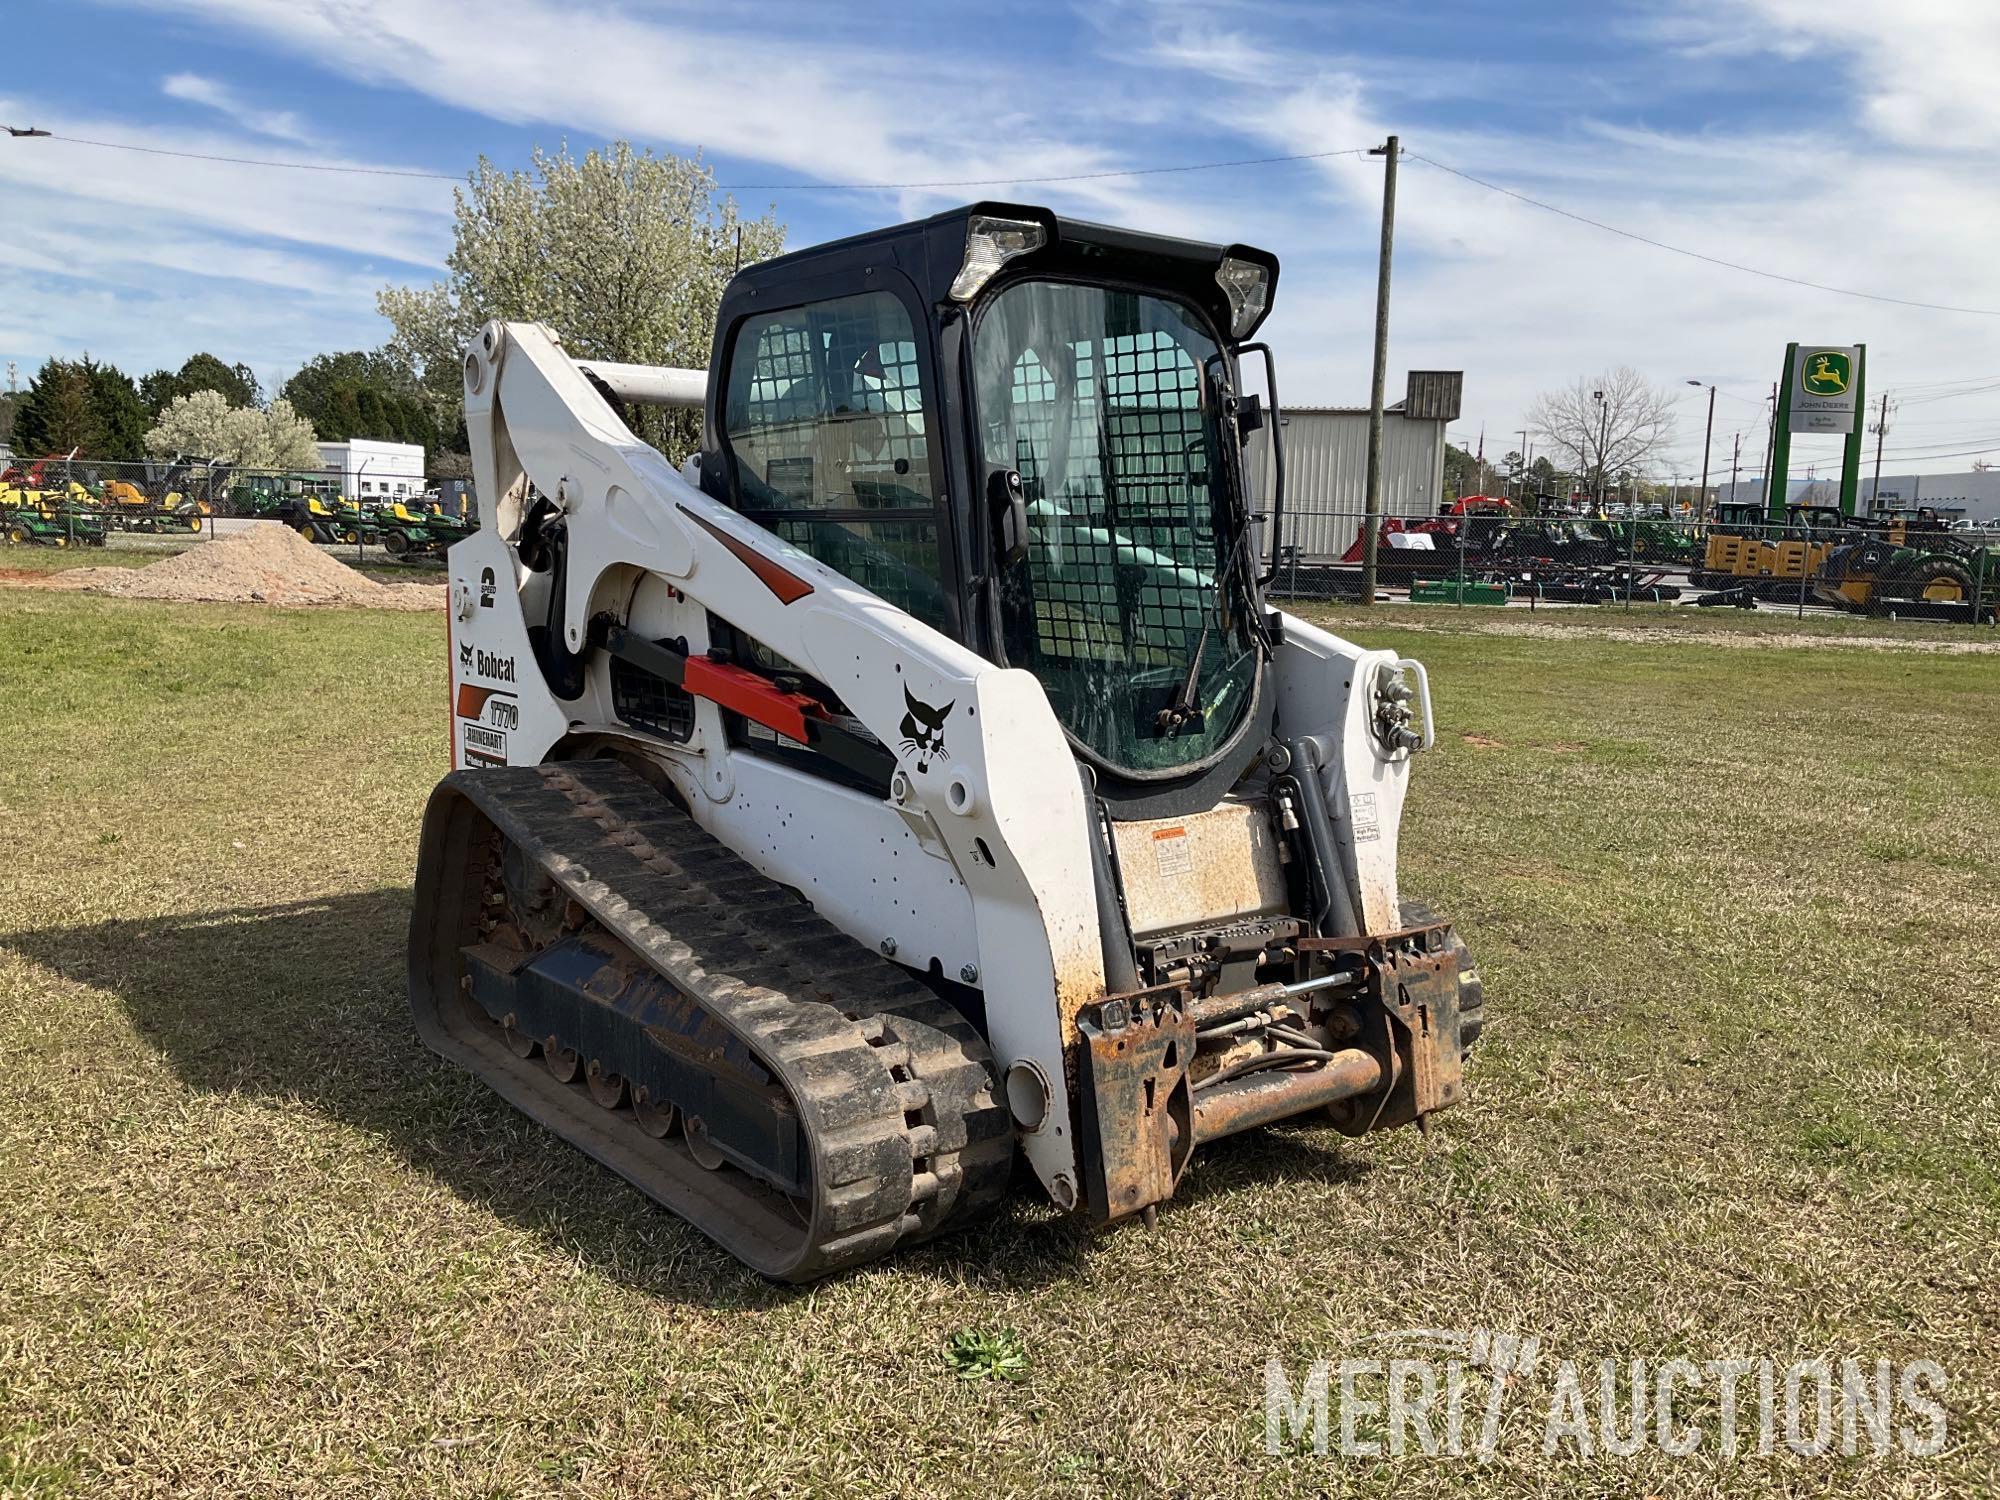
x: 917, y: 776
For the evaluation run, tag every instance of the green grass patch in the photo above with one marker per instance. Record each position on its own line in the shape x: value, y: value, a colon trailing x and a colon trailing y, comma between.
x: 1740, y: 1094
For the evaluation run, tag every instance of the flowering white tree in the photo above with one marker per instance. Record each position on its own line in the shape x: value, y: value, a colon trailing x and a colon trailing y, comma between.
x: 623, y: 253
x: 202, y: 424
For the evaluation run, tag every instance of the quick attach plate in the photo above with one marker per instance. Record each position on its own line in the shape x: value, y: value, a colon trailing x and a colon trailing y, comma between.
x: 1138, y: 1109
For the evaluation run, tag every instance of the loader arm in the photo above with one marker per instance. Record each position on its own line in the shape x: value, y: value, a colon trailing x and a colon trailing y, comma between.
x: 1002, y: 805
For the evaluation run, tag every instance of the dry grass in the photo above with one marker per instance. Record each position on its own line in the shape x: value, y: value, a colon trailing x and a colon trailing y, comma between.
x: 1736, y: 911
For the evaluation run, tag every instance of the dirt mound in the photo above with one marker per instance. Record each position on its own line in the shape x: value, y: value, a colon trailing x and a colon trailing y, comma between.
x: 264, y: 564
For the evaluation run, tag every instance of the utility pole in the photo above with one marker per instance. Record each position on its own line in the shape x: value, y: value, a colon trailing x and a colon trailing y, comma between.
x: 1735, y: 453
x: 1770, y: 440
x: 1707, y: 437
x: 1603, y: 436
x: 1881, y: 431
x: 1371, y: 522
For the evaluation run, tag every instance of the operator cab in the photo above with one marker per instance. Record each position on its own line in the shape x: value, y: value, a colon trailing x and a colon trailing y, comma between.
x: 1026, y: 431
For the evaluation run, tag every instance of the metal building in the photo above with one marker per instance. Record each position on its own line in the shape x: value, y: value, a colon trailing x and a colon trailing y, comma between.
x: 1326, y: 473
x: 1971, y: 494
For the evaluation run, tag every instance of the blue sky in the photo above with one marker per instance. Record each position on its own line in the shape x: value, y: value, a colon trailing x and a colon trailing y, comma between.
x: 1842, y: 141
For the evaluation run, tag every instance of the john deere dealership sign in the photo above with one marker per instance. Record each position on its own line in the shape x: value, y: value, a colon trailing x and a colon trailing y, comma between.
x: 1822, y: 391
x: 1824, y: 388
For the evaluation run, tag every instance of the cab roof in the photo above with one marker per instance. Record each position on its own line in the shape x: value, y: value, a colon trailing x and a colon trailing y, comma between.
x: 930, y: 251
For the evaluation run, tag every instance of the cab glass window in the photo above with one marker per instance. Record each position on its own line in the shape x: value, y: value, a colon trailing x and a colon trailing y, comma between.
x: 828, y: 425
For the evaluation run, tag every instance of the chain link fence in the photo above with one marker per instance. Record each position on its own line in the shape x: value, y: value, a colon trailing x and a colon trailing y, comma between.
x: 390, y: 518
x: 1894, y: 565
x: 1485, y: 552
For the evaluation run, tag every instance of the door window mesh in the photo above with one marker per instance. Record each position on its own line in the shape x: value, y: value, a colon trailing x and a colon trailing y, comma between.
x: 1098, y: 399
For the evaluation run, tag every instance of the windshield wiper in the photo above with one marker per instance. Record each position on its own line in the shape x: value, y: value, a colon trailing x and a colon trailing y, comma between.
x: 1184, y: 708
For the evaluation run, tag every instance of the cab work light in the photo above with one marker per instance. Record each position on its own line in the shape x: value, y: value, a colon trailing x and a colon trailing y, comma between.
x: 989, y: 244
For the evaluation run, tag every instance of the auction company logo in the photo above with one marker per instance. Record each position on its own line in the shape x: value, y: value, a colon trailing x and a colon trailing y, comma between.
x: 1458, y: 1393
x: 1827, y: 373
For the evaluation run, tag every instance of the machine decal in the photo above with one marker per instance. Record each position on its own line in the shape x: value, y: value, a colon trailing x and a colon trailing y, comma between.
x: 492, y: 666
x: 486, y: 588
x: 1172, y: 853
x: 923, y: 730
x: 472, y: 700
x: 1367, y: 825
x: 788, y: 586
x: 483, y: 746
x: 465, y: 653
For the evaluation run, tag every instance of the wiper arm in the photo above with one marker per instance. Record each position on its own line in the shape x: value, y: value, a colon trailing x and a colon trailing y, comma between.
x: 1184, y: 707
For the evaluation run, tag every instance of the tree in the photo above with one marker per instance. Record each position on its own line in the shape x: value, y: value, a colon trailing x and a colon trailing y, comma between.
x: 202, y: 372
x: 271, y: 437
x: 203, y: 424
x: 192, y: 426
x: 625, y: 254
x: 363, y: 394
x: 1631, y: 423
x: 83, y: 405
x: 1461, y: 473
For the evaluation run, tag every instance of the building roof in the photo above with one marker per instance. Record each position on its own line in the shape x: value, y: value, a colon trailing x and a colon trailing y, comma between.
x: 1293, y: 408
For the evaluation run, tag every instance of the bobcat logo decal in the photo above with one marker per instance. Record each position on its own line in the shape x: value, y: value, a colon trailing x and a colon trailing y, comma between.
x: 465, y: 653
x: 923, y: 730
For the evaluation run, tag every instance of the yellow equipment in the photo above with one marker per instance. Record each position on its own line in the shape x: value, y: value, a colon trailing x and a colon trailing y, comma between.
x: 1741, y: 548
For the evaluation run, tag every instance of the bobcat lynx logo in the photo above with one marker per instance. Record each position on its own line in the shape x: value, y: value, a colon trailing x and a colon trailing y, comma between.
x: 465, y: 654
x: 923, y: 730
x: 1827, y: 375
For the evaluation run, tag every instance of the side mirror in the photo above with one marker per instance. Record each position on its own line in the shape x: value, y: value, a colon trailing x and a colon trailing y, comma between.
x: 1009, y: 507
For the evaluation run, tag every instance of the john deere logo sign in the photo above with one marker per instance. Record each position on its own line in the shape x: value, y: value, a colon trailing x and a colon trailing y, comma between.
x: 1828, y: 373
x: 1823, y: 389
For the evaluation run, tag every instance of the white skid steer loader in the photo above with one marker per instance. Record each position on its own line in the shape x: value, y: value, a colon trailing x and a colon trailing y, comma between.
x: 917, y: 776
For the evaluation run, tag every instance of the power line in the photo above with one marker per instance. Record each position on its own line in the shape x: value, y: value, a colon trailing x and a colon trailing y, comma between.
x: 894, y: 187
x: 251, y: 161
x: 1494, y: 187
x: 731, y: 187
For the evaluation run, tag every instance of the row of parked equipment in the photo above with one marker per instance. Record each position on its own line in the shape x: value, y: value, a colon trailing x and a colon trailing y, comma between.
x: 54, y: 503
x: 315, y: 508
x: 1482, y: 550
x: 38, y: 509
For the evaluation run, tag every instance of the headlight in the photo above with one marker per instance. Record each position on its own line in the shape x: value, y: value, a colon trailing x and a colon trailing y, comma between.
x: 989, y: 245
x: 1248, y: 287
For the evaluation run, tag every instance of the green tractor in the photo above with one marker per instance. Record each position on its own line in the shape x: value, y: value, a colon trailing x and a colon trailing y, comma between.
x: 405, y: 531
x: 50, y: 523
x: 1912, y: 567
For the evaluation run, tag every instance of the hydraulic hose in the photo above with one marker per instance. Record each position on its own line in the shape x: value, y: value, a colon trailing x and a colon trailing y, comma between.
x: 1114, y: 933
x: 1336, y: 913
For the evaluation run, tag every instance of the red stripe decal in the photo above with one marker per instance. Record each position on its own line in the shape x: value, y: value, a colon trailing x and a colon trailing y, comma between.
x: 788, y: 586
x: 472, y: 700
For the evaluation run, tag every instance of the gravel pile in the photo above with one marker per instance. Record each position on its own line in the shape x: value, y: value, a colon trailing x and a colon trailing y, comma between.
x: 266, y: 564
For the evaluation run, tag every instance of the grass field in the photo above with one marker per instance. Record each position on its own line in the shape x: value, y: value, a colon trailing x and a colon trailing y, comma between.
x: 1736, y: 911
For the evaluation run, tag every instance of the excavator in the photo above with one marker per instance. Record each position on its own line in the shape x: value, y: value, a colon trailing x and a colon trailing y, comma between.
x: 912, y: 792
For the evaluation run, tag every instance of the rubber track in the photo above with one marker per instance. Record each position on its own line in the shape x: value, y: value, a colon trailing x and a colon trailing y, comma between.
x: 894, y: 1089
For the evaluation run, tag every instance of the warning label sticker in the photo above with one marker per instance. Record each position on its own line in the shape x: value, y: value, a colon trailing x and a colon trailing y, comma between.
x: 1366, y: 826
x: 1172, y: 852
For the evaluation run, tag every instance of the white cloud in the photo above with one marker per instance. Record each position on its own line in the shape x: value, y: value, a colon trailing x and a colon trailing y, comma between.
x: 1524, y: 300
x: 1881, y: 199
x: 144, y: 259
x: 193, y: 88
x: 1924, y: 73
